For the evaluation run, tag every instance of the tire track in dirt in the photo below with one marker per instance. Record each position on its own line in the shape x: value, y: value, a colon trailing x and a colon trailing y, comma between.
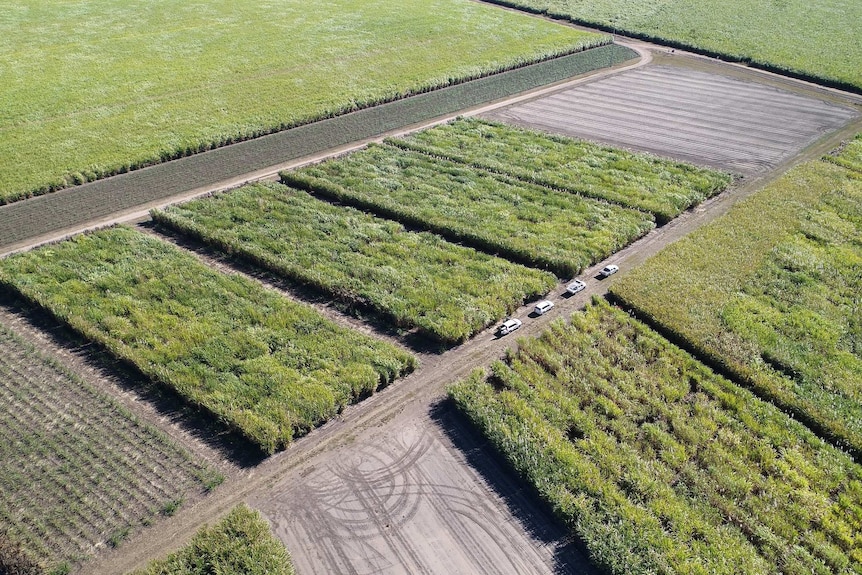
x: 273, y: 484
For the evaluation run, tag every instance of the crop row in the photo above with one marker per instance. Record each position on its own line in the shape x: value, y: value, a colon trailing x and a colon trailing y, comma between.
x: 75, y: 468
x: 658, y: 464
x: 661, y: 187
x: 529, y: 224
x: 240, y: 543
x: 850, y: 156
x: 267, y: 366
x: 778, y: 305
x: 415, y: 279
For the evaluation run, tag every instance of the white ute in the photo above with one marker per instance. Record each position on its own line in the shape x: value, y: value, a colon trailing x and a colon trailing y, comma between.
x: 509, y: 326
x: 575, y: 287
x: 543, y: 307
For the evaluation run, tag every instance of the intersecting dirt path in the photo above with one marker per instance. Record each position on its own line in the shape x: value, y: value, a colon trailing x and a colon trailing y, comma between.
x: 399, y: 483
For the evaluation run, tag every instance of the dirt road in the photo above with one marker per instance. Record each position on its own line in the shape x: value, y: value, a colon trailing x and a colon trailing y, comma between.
x: 399, y: 483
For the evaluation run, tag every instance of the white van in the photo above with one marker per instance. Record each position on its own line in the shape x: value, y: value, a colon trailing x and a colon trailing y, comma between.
x: 543, y: 307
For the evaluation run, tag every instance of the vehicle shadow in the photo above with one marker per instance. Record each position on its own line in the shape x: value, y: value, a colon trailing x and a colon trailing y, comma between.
x: 571, y: 556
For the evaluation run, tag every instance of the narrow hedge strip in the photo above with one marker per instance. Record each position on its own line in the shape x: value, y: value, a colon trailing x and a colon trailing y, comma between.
x: 268, y: 367
x: 413, y: 279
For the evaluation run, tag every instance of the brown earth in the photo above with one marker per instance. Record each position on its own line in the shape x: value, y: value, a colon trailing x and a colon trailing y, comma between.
x: 399, y: 483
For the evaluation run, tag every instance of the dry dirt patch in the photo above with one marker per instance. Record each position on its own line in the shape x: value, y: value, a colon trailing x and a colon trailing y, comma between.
x: 423, y: 495
x: 731, y: 123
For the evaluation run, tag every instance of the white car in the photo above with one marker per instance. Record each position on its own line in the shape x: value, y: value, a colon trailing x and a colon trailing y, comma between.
x: 509, y: 326
x: 543, y: 307
x: 609, y: 270
x: 575, y: 287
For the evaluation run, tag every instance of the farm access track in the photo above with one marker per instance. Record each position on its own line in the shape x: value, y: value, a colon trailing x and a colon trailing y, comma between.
x: 412, y: 401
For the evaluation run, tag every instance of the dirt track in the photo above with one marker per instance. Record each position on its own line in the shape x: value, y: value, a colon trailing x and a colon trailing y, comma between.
x: 398, y: 484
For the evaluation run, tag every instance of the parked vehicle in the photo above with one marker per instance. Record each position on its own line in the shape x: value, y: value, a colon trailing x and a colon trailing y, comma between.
x: 543, y: 307
x: 575, y: 287
x: 609, y: 270
x: 509, y: 326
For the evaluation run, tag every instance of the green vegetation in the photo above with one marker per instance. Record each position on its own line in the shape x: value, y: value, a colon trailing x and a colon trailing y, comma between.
x: 240, y: 544
x: 850, y: 156
x: 145, y: 81
x: 660, y: 465
x: 415, y: 279
x: 530, y: 224
x: 76, y: 469
x: 662, y: 187
x: 816, y: 40
x: 267, y: 366
x: 771, y: 293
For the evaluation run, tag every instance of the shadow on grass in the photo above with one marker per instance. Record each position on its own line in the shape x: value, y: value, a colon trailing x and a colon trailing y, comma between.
x: 535, y: 516
x: 196, y: 422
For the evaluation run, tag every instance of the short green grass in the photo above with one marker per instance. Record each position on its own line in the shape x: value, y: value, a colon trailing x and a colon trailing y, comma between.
x: 269, y: 367
x: 661, y: 187
x: 772, y: 292
x: 414, y: 279
x: 530, y: 224
x: 817, y: 39
x: 658, y: 464
x: 240, y: 544
x: 92, y: 88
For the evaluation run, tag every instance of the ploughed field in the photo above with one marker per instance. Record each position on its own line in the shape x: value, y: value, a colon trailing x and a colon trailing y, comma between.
x: 138, y: 83
x: 818, y: 40
x: 770, y: 293
x: 77, y: 471
x: 697, y: 116
x: 660, y: 465
x: 268, y: 367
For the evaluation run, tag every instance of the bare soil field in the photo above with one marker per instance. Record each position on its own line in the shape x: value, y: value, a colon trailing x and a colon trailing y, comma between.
x: 697, y: 115
x: 378, y: 508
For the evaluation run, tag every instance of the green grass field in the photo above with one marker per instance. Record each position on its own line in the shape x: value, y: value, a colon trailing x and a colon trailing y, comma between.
x: 77, y: 470
x: 418, y: 280
x: 771, y: 292
x: 267, y: 366
x: 94, y: 88
x: 661, y: 187
x: 815, y: 39
x: 658, y: 464
x: 530, y: 224
x: 240, y: 544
